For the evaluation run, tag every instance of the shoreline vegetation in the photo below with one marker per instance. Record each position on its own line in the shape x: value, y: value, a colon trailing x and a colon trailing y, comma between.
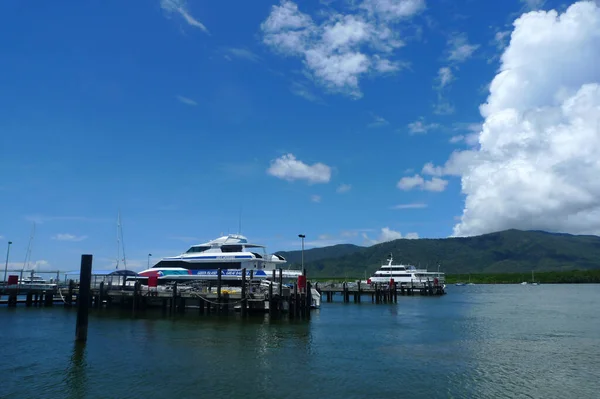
x: 566, y: 277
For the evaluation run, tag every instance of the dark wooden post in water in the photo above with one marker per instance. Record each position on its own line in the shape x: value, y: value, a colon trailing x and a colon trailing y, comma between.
x: 280, y: 284
x: 83, y: 298
x: 271, y: 302
x: 219, y: 276
x: 243, y: 302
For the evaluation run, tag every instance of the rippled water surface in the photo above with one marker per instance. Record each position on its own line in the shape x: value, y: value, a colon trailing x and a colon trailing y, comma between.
x: 482, y: 341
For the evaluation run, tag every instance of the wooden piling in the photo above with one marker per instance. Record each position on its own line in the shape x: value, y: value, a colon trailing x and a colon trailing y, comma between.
x: 101, y: 294
x: 83, y: 298
x: 280, y: 283
x: 219, y: 277
x: 174, y: 299
x: 271, y: 302
x: 244, y: 301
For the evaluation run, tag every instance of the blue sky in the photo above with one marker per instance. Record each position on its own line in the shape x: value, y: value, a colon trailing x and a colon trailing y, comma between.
x: 184, y: 115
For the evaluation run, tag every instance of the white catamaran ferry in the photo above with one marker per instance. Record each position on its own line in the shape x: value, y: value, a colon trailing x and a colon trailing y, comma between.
x: 230, y: 253
x: 405, y: 275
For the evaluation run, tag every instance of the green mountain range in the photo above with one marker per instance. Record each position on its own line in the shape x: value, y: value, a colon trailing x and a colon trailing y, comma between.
x: 510, y: 251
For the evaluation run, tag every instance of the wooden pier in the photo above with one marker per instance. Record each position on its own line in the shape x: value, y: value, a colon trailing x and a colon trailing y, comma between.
x: 379, y: 293
x: 177, y: 297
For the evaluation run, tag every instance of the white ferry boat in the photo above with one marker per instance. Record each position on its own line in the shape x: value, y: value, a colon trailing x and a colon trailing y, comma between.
x: 230, y: 253
x: 35, y: 282
x: 406, y: 275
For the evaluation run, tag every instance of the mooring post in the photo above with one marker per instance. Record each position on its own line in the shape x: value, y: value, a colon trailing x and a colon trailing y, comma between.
x: 243, y: 302
x: 273, y: 280
x: 174, y: 299
x: 271, y: 310
x: 280, y: 283
x: 101, y: 295
x: 308, y: 299
x: 219, y: 276
x: 83, y: 298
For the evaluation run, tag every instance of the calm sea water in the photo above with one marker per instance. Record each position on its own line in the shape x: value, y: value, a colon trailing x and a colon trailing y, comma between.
x: 482, y: 341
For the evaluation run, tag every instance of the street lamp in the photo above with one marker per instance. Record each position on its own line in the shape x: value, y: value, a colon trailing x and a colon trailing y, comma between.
x: 6, y: 264
x: 149, y: 255
x: 302, y: 236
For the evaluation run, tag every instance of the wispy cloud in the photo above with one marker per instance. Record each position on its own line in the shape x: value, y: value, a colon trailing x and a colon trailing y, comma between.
x: 37, y: 265
x: 242, y: 54
x: 416, y: 205
x: 315, y: 198
x: 458, y: 51
x: 68, y: 237
x: 533, y: 4
x: 343, y: 188
x: 419, y: 126
x: 302, y: 90
x: 445, y: 76
x: 459, y: 48
x: 378, y: 121
x: 187, y: 100
x: 180, y: 7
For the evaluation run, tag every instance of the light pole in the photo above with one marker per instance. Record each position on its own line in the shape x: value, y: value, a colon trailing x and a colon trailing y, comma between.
x: 6, y: 264
x: 302, y: 236
x: 149, y: 255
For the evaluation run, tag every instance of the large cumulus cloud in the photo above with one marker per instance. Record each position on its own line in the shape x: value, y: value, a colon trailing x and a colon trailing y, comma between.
x: 537, y: 162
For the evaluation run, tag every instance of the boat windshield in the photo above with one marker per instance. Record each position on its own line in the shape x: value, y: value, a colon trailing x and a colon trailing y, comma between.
x: 197, y: 249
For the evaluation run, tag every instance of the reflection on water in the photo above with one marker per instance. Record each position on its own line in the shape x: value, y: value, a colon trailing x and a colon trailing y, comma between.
x: 477, y: 341
x: 76, y: 375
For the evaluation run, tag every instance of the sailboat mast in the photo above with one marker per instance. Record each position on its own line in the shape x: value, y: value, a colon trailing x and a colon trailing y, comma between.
x: 28, y: 253
x: 118, y: 239
x: 122, y: 243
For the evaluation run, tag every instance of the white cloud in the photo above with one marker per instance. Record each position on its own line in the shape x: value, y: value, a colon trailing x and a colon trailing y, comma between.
x: 537, y: 164
x: 180, y: 7
x: 378, y: 121
x: 416, y: 205
x: 1, y: 237
x: 315, y: 198
x: 68, y: 237
x: 445, y: 76
x: 411, y: 182
x: 459, y: 48
x: 343, y: 188
x: 386, y: 235
x: 342, y: 48
x: 186, y: 100
x: 430, y: 169
x: 242, y: 53
x: 419, y: 126
x: 287, y: 167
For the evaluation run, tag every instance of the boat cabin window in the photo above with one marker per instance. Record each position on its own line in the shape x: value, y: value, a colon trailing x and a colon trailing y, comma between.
x: 231, y: 248
x: 197, y: 249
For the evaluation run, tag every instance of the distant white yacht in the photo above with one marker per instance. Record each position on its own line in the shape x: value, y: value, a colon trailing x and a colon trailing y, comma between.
x: 405, y: 274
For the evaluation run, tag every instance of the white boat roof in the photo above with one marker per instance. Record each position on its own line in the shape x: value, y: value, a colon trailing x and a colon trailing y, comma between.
x: 230, y: 239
